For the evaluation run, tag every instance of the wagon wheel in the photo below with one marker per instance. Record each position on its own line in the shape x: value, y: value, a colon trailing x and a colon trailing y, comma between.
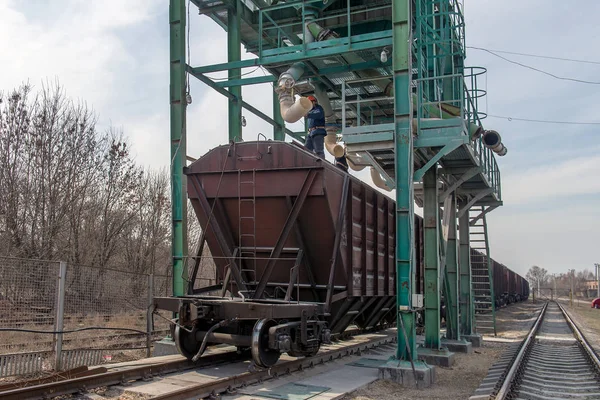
x: 186, y: 342
x: 261, y: 354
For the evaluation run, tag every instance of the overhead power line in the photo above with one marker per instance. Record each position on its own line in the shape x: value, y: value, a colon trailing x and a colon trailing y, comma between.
x: 536, y: 69
x: 536, y: 55
x: 544, y: 121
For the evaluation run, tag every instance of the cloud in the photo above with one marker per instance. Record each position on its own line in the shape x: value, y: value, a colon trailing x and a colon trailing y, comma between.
x: 561, y: 179
x: 557, y: 239
x: 115, y: 55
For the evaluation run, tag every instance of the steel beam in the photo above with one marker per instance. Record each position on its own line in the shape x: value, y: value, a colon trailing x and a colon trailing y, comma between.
x: 212, y: 217
x: 467, y: 312
x: 482, y: 214
x: 463, y: 178
x: 287, y: 228
x: 431, y: 237
x: 338, y: 238
x: 197, y: 261
x: 231, y: 97
x: 451, y: 273
x: 447, y: 149
x: 404, y: 166
x: 478, y: 196
x: 306, y: 258
x: 234, y: 43
x: 178, y: 104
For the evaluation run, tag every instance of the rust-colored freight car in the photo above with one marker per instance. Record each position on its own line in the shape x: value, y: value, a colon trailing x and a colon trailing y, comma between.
x: 302, y: 251
x: 509, y: 287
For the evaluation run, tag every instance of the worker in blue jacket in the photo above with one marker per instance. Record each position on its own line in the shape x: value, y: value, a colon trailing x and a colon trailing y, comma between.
x: 315, y: 120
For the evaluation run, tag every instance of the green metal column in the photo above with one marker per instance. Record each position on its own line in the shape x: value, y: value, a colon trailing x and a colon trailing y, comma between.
x: 467, y: 313
x: 279, y: 130
x: 234, y: 42
x: 178, y: 144
x: 451, y: 274
x: 431, y: 260
x: 403, y: 143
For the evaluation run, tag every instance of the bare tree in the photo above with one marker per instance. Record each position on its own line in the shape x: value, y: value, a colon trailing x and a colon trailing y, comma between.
x: 537, y: 277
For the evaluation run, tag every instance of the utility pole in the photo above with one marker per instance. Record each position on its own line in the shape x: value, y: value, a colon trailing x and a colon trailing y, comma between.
x: 572, y: 291
x: 554, y: 291
x: 597, y: 280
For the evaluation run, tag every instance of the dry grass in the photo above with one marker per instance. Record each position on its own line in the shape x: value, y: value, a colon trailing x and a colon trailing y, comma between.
x: 586, y: 318
x: 23, y: 342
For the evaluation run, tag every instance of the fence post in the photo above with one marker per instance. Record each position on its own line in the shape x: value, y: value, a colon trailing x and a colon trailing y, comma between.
x: 60, y: 313
x: 149, y: 313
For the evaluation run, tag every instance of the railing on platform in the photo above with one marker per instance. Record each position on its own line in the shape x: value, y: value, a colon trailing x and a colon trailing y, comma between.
x: 291, y: 35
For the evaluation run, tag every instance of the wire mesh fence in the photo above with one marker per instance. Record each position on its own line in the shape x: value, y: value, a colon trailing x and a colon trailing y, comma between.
x: 105, y: 309
x: 57, y: 316
x: 28, y: 290
x: 102, y: 314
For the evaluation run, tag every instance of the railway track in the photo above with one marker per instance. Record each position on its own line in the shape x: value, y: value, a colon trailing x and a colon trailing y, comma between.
x: 555, y: 361
x: 125, y: 376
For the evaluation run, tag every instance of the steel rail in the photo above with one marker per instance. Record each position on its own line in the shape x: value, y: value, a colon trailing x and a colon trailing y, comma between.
x: 586, y: 346
x: 70, y: 386
x: 129, y: 374
x: 508, y: 379
x: 227, y: 385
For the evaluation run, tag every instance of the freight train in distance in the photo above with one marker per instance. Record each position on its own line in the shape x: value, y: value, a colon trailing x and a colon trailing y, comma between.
x: 302, y: 251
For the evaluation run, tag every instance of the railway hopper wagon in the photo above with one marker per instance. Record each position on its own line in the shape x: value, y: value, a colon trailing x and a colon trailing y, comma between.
x: 509, y: 287
x: 302, y: 250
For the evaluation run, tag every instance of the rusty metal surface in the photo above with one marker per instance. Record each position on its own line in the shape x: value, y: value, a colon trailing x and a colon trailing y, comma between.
x: 288, y: 214
x: 297, y: 201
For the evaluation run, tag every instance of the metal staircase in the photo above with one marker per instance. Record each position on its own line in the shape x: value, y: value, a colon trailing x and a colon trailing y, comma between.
x: 482, y: 279
x: 247, y: 225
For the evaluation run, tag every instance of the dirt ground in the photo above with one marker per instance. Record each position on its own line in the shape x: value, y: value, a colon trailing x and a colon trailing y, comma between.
x: 515, y: 320
x: 461, y: 380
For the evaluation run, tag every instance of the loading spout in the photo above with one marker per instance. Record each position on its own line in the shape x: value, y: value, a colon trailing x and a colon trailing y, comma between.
x: 334, y: 148
x: 493, y: 141
x: 353, y: 166
x: 378, y: 180
x: 292, y: 111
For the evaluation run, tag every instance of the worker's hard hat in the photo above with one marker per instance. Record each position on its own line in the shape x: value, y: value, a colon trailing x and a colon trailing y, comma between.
x: 312, y: 98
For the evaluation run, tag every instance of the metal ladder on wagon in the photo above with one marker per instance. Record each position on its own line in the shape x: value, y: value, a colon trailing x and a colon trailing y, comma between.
x: 482, y: 281
x: 247, y: 225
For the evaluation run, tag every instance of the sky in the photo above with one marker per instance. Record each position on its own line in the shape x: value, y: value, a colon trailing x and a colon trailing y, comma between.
x: 114, y: 55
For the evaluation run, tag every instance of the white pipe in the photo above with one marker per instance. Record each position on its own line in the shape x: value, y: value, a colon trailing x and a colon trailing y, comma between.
x: 335, y: 149
x: 493, y: 141
x: 353, y: 166
x: 290, y: 111
x: 378, y: 180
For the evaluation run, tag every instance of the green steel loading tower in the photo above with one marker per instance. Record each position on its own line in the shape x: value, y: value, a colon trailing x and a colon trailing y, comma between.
x: 390, y: 75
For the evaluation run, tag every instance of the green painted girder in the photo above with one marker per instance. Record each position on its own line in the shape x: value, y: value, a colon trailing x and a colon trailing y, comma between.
x: 234, y: 54
x: 246, y: 81
x: 451, y: 270
x: 431, y: 261
x: 313, y: 50
x: 354, y: 67
x: 232, y: 97
x: 404, y: 164
x: 178, y: 105
x: 447, y: 149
